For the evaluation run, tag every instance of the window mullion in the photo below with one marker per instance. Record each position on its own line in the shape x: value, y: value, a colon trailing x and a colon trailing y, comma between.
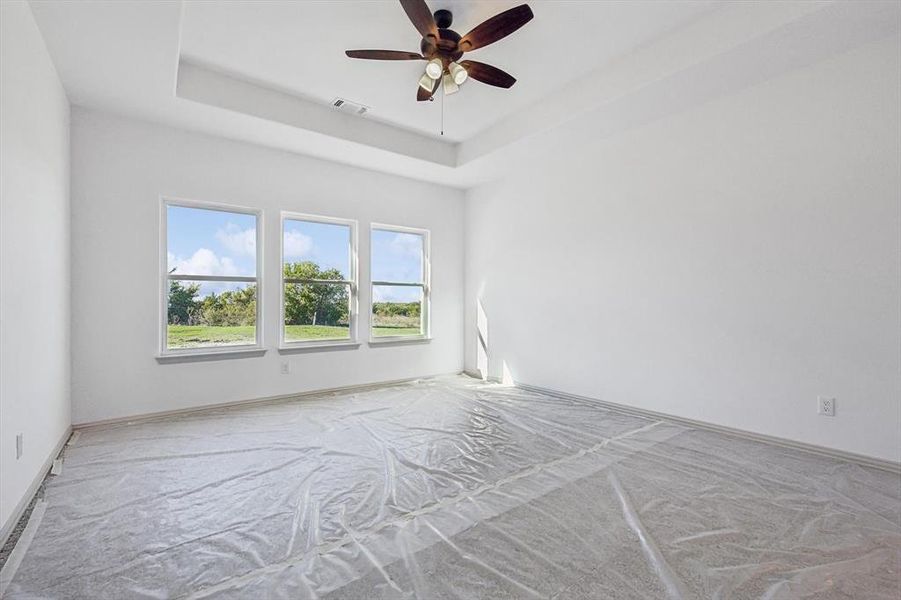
x: 399, y: 283
x: 393, y: 317
x: 297, y: 328
x: 312, y: 281
x: 231, y: 323
x: 233, y: 278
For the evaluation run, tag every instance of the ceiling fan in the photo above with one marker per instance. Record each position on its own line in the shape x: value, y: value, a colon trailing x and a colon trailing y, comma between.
x: 442, y: 48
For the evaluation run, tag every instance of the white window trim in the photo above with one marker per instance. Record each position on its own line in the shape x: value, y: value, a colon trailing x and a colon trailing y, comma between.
x: 353, y: 282
x: 426, y: 286
x: 245, y: 349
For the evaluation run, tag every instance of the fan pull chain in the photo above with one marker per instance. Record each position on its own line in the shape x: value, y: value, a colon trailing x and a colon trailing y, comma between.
x: 442, y: 111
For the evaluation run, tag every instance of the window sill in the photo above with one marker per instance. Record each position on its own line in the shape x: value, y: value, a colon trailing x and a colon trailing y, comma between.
x: 323, y: 346
x: 399, y: 341
x: 207, y: 355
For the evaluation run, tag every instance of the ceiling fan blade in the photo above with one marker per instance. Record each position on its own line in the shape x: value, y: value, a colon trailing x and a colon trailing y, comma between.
x: 422, y: 95
x: 499, y: 26
x: 488, y: 74
x: 384, y: 55
x: 421, y: 16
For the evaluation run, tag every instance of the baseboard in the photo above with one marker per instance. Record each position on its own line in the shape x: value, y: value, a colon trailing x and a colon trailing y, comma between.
x: 861, y: 459
x: 33, y: 488
x: 249, y: 402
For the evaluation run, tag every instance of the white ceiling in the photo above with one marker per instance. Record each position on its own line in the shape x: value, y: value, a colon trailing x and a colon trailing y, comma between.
x: 265, y: 72
x: 299, y: 47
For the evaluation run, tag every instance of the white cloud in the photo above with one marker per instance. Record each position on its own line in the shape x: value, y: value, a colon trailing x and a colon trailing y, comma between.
x: 238, y: 241
x: 407, y: 244
x: 203, y: 262
x: 298, y: 245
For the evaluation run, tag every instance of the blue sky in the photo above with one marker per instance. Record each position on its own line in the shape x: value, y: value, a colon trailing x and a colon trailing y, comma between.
x: 212, y: 242
x: 396, y: 257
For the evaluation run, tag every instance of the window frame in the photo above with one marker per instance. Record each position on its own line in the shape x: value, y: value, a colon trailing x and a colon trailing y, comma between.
x: 353, y: 282
x: 425, y: 284
x: 165, y: 278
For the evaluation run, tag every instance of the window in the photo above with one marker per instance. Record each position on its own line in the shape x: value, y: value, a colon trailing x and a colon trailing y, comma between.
x: 319, y: 287
x: 400, y: 283
x: 210, y: 278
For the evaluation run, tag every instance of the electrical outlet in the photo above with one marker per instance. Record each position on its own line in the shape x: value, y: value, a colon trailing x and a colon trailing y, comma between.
x: 18, y: 446
x: 826, y: 406
x: 286, y: 367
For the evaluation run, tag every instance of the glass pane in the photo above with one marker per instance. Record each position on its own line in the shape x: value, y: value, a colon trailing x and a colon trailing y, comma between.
x: 317, y: 311
x: 210, y: 242
x: 396, y: 256
x: 316, y: 250
x: 205, y: 314
x: 396, y: 310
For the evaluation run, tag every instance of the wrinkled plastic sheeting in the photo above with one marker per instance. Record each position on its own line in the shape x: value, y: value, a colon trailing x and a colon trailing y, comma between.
x: 453, y: 488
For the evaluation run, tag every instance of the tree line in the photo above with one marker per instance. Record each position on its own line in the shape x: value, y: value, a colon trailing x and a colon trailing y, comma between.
x: 305, y: 304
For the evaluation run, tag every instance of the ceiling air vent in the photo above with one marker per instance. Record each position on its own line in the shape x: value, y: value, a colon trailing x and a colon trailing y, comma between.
x: 349, y: 107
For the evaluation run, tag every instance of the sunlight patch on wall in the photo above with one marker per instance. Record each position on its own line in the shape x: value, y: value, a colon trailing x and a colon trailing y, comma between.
x: 481, y: 340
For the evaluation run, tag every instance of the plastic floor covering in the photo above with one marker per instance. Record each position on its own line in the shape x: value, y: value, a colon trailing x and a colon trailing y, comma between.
x: 453, y: 488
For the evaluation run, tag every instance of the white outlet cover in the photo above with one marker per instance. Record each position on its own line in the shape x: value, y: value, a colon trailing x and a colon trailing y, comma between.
x: 286, y: 368
x: 826, y: 406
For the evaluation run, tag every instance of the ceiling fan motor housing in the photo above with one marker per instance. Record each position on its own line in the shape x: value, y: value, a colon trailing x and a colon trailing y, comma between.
x: 446, y: 47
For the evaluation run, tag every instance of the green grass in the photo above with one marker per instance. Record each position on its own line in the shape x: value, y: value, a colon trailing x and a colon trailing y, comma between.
x: 392, y: 325
x: 389, y: 331
x: 198, y: 336
x: 300, y: 333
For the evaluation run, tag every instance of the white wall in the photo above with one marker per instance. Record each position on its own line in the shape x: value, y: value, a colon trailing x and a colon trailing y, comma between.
x: 727, y: 264
x: 121, y: 167
x: 34, y: 255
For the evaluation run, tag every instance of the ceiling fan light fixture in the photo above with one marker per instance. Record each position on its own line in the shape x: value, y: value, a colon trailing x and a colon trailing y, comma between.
x: 426, y: 82
x: 441, y: 48
x: 433, y: 68
x: 450, y: 86
x: 458, y: 73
